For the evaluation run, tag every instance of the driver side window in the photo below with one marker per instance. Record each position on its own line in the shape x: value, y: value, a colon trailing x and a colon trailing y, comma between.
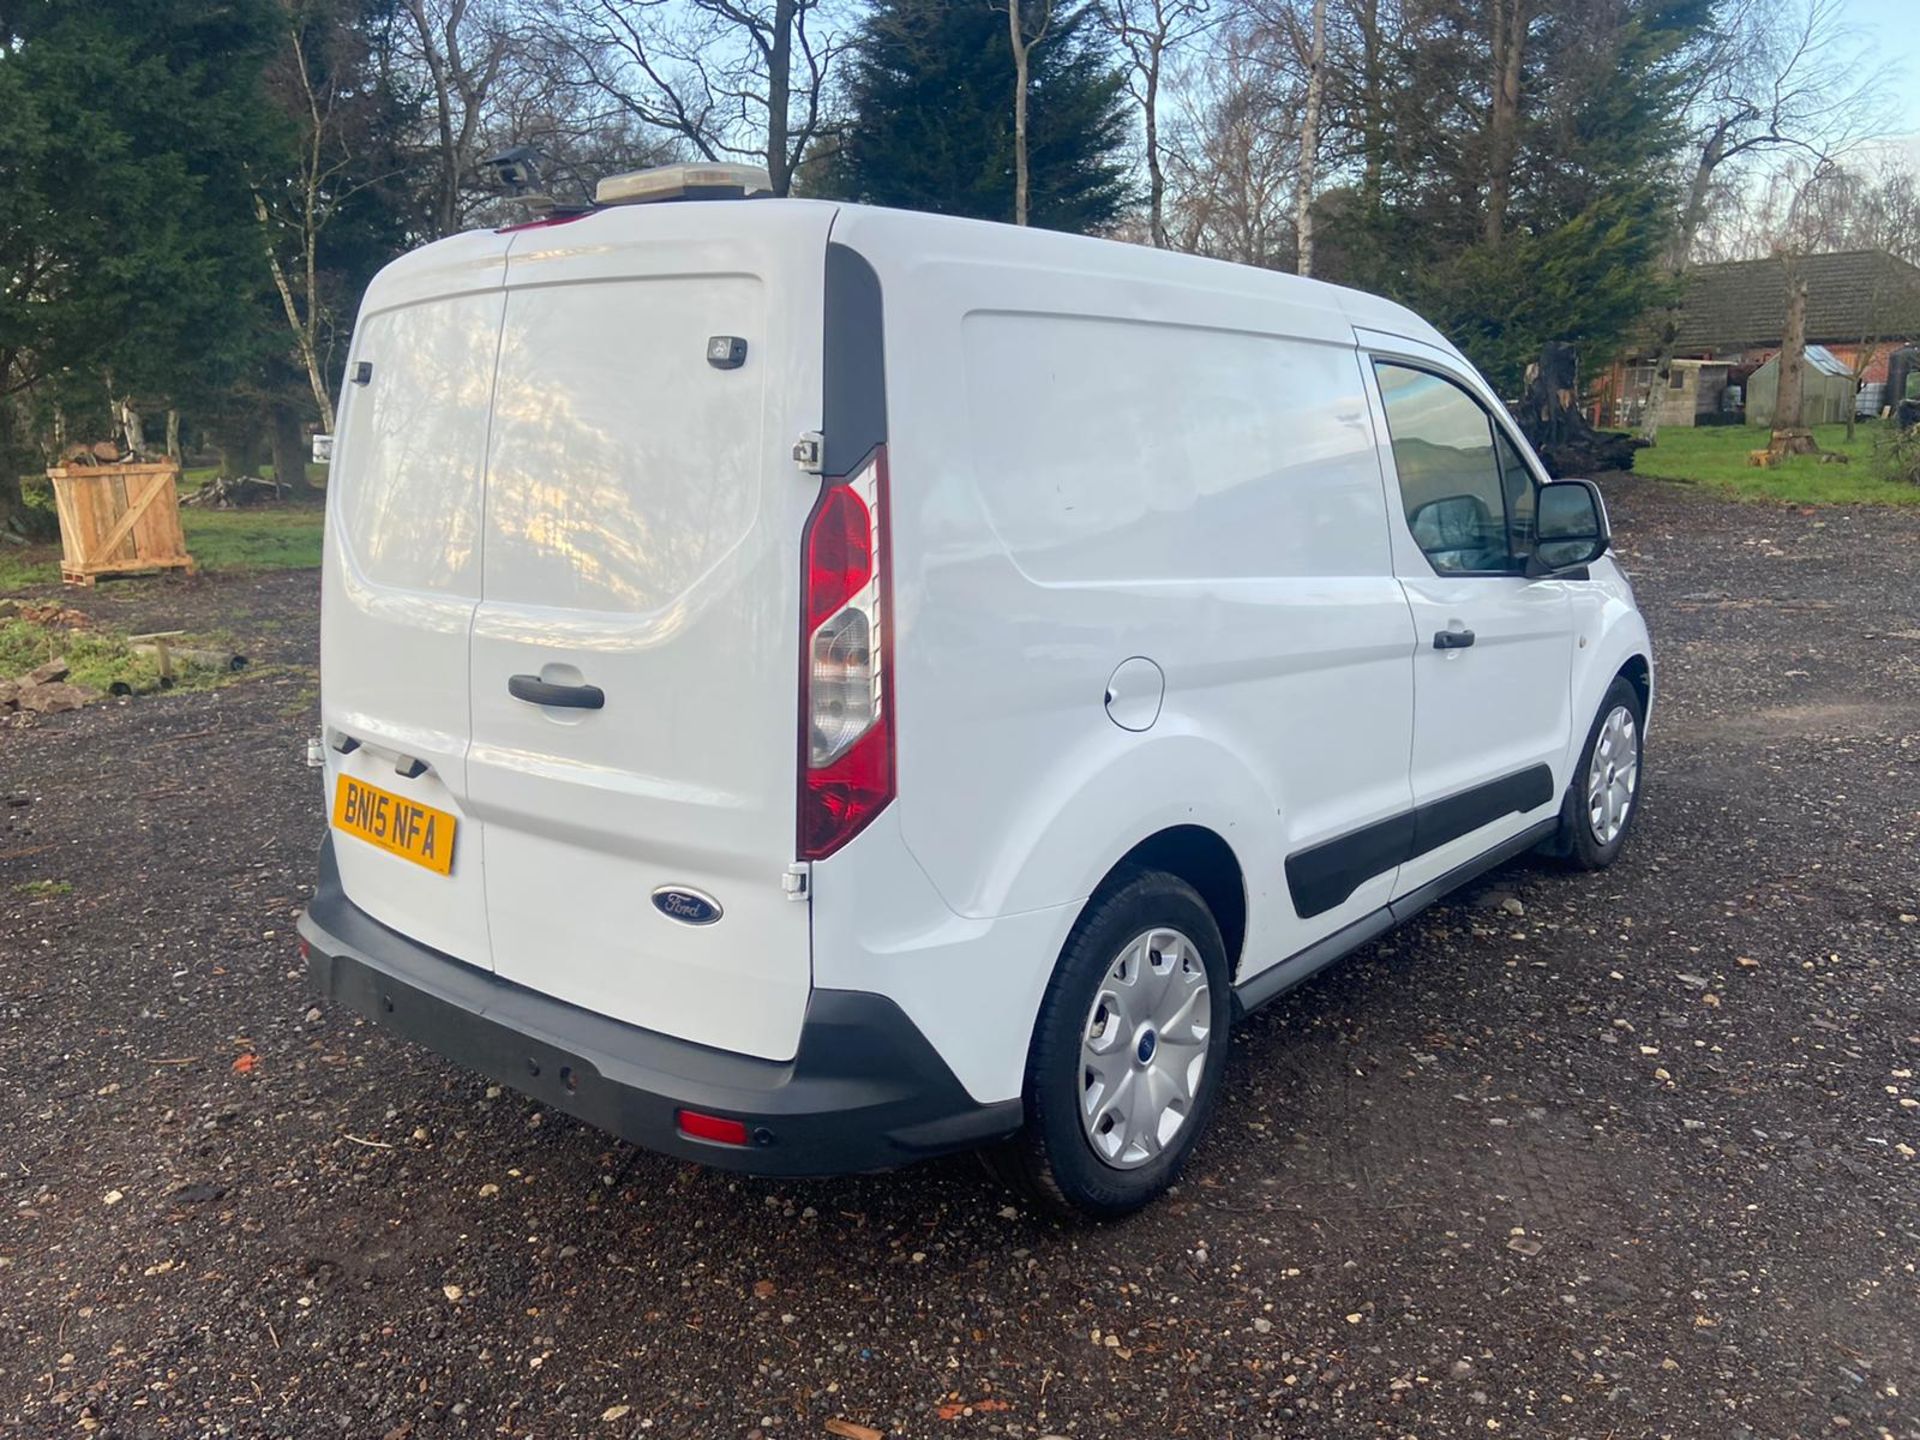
x: 1468, y: 495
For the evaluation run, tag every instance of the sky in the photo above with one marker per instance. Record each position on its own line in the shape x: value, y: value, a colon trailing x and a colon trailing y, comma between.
x: 1891, y: 28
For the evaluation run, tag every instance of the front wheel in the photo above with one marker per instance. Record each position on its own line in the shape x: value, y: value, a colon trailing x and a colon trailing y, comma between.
x: 1604, y: 795
x: 1127, y: 1053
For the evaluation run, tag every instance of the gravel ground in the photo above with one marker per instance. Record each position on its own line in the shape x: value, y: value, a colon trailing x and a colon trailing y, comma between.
x: 1638, y: 1161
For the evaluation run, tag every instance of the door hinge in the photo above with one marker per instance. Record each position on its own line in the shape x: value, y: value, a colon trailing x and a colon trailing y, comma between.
x: 798, y: 881
x: 809, y: 451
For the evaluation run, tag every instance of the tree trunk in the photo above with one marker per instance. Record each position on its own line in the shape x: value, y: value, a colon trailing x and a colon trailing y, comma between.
x: 13, y: 460
x: 1310, y: 141
x: 1019, y: 40
x: 239, y: 454
x: 1373, y: 142
x: 1662, y: 370
x: 1156, y: 177
x: 290, y: 451
x: 1509, y: 21
x: 1698, y: 190
x: 1789, y: 403
x: 780, y: 157
x: 303, y: 327
x: 173, y: 435
x: 131, y: 429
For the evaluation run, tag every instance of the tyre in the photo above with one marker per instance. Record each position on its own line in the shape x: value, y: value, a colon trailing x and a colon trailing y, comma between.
x: 1604, y: 795
x: 1127, y: 1053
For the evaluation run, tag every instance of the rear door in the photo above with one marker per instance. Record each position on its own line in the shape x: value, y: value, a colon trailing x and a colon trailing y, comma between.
x: 642, y: 541
x: 401, y: 581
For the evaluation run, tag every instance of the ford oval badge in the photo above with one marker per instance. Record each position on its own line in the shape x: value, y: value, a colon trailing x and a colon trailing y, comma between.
x: 689, y: 907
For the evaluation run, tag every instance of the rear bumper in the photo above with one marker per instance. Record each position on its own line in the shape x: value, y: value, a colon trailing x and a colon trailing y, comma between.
x: 865, y: 1090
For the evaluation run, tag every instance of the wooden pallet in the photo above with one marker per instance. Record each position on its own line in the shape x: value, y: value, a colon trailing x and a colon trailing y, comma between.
x: 119, y: 520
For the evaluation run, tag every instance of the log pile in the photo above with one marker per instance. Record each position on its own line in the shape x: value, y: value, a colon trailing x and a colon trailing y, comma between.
x: 225, y: 492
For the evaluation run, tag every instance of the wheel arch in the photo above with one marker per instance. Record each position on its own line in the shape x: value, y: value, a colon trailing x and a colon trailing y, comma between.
x: 1205, y: 860
x: 1638, y: 672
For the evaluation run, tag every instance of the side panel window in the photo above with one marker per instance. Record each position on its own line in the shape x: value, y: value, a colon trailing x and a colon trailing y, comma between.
x: 1122, y: 450
x: 1453, y: 482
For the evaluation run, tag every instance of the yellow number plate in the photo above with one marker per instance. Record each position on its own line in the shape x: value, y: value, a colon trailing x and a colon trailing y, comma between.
x: 405, y: 827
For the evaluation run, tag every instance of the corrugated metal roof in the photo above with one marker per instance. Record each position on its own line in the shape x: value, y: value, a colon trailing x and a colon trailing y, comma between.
x: 1822, y: 359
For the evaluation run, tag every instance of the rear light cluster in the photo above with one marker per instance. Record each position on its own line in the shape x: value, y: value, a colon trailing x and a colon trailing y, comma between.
x: 846, y: 708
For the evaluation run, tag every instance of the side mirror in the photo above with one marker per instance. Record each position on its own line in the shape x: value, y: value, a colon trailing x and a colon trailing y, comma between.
x: 1456, y: 522
x: 1570, y: 528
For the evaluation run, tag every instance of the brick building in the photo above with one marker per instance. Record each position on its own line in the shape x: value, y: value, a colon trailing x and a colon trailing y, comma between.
x: 1729, y: 324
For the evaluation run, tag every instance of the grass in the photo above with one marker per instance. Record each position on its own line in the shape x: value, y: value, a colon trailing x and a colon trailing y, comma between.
x: 230, y: 542
x: 46, y: 887
x: 99, y: 659
x: 1715, y: 456
x: 224, y: 542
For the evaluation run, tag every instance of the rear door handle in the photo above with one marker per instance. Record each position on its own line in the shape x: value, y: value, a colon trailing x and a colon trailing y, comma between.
x: 535, y: 691
x: 1452, y: 639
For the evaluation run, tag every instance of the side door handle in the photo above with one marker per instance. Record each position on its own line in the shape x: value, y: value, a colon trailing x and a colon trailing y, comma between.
x: 535, y: 691
x: 1452, y: 639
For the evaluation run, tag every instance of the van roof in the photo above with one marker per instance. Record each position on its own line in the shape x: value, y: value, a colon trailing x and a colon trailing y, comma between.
x: 475, y: 259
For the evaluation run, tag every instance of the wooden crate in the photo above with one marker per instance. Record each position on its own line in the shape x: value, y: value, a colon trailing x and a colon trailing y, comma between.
x: 119, y: 520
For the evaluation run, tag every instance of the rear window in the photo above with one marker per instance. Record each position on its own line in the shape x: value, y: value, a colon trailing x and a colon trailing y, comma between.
x: 623, y: 465
x: 406, y: 475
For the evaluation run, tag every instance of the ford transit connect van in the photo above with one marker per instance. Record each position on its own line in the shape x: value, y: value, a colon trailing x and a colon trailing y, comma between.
x: 809, y: 687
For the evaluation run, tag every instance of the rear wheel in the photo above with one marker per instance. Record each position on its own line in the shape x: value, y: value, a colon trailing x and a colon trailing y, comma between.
x: 1604, y: 795
x: 1127, y: 1052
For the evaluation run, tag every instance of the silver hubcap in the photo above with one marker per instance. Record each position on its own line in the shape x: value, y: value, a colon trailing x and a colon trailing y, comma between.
x: 1612, y: 775
x: 1144, y: 1048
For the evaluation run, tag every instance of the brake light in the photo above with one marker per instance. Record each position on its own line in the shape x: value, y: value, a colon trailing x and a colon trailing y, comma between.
x: 846, y: 709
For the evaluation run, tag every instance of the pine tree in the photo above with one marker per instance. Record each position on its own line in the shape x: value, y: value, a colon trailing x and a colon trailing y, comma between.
x: 932, y: 127
x: 126, y: 133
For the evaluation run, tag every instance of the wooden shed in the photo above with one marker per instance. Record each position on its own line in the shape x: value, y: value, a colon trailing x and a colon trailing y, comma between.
x: 1827, y: 395
x: 1694, y: 392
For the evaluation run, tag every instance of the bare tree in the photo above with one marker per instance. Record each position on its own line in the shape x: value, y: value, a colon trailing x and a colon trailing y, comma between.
x: 1026, y: 28
x: 1776, y: 76
x: 460, y: 48
x: 1861, y: 208
x: 1790, y: 435
x: 1234, y: 148
x: 1150, y: 33
x: 729, y: 79
x: 292, y: 216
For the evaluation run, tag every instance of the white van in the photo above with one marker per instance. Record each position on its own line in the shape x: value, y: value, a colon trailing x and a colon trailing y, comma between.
x: 809, y: 687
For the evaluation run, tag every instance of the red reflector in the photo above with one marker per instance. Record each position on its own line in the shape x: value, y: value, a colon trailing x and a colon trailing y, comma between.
x: 712, y: 1127
x: 839, y: 799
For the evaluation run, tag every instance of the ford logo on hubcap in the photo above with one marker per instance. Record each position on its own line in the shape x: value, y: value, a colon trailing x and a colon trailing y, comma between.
x: 689, y: 907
